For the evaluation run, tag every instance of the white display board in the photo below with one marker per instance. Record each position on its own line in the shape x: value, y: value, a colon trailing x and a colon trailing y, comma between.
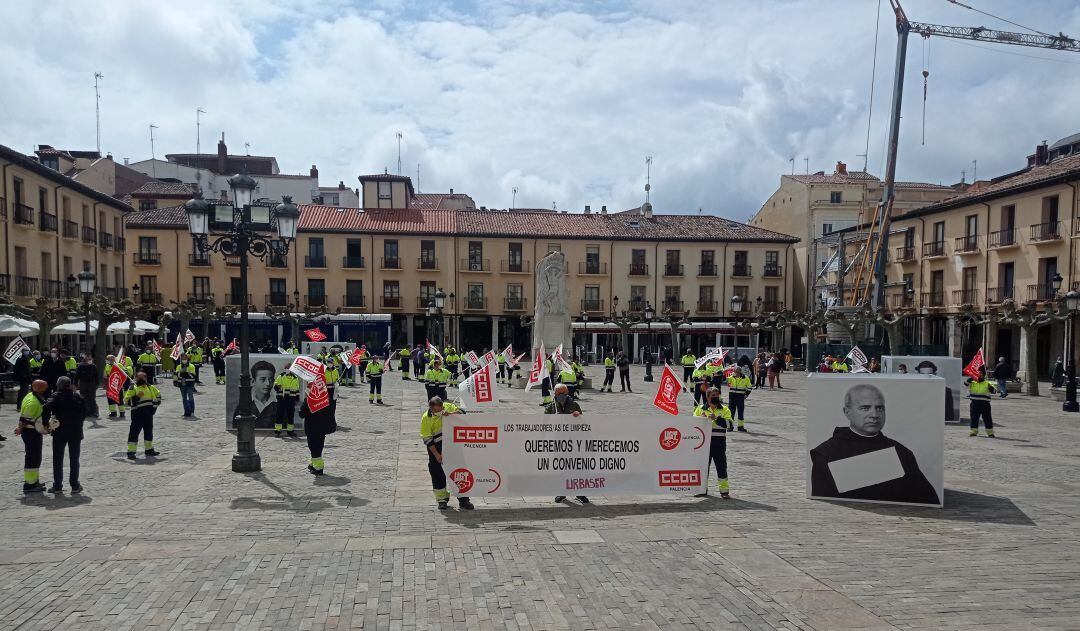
x: 264, y: 368
x: 875, y: 438
x: 312, y: 349
x: 511, y: 454
x: 949, y: 368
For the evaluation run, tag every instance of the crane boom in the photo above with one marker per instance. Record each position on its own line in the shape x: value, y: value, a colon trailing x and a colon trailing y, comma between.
x: 1060, y: 41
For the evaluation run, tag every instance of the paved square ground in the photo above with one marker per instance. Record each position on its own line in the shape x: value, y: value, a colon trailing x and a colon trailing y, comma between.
x: 181, y: 542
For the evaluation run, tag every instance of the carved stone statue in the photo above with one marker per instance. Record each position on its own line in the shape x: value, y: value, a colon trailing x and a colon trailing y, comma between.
x: 551, y: 323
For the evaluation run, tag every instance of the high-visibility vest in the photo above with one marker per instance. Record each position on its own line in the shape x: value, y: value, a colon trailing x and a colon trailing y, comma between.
x: 688, y: 360
x: 185, y: 374
x: 739, y: 385
x: 287, y: 384
x: 141, y: 397
x: 437, y: 377
x: 719, y: 417
x: 431, y: 425
x: 374, y: 368
x: 609, y: 363
x: 980, y: 390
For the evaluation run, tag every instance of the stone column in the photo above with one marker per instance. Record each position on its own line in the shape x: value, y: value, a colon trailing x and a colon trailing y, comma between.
x: 337, y: 336
x: 955, y: 337
x: 989, y: 344
x: 1021, y: 371
x: 495, y: 320
x: 409, y: 331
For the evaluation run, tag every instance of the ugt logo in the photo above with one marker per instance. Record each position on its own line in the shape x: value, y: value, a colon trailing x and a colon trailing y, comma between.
x: 463, y: 478
x: 476, y: 434
x: 670, y: 438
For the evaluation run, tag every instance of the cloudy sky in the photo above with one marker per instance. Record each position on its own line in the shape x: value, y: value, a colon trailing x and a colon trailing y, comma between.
x: 563, y: 100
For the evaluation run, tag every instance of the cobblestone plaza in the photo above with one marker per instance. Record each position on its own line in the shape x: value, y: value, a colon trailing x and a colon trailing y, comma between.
x: 183, y: 542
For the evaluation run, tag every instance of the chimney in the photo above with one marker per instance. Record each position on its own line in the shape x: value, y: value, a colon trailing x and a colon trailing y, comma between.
x: 108, y: 156
x: 841, y: 168
x: 341, y: 185
x: 588, y: 209
x: 314, y: 172
x: 451, y: 191
x: 1042, y: 153
x: 222, y: 155
x: 603, y: 210
x: 126, y: 161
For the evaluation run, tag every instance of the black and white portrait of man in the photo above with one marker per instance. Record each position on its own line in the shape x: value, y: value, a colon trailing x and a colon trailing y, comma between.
x: 263, y: 372
x: 859, y: 460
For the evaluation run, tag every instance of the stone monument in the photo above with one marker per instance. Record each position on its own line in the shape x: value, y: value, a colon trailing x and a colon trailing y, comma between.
x: 551, y: 319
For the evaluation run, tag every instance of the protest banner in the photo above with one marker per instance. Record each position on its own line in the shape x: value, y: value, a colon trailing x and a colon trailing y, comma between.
x: 537, y: 368
x: 478, y: 391
x: 14, y: 349
x: 668, y: 392
x: 307, y: 368
x: 516, y: 455
x: 315, y: 335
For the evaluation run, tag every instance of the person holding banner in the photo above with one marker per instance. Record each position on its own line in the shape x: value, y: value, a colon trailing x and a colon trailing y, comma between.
x: 609, y: 373
x: 374, y: 372
x: 501, y: 377
x: 715, y: 410
x: 217, y: 358
x: 739, y: 387
x: 22, y: 371
x: 143, y: 400
x: 839, y: 365
x: 979, y: 391
x: 563, y: 404
x: 431, y: 433
x: 700, y: 378
x: 287, y: 389
x: 317, y: 424
x: 116, y: 404
x: 195, y: 354
x: 333, y: 377
x: 452, y: 362
x: 365, y: 357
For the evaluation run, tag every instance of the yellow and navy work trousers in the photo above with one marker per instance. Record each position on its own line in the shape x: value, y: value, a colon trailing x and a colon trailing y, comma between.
x: 981, y: 409
x: 142, y: 420
x: 315, y: 443
x: 375, y: 389
x: 32, y: 442
x: 286, y: 408
x: 737, y: 403
x: 438, y: 476
x: 718, y: 455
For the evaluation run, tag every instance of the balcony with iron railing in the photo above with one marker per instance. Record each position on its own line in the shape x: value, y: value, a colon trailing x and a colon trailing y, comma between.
x: 89, y: 235
x: 741, y: 270
x: 475, y: 303
x: 47, y: 222
x: 707, y: 306
x: 1049, y: 231
x: 592, y: 305
x: 390, y: 302
x: 57, y: 289
x: 638, y: 269
x: 277, y: 299
x: 671, y: 305
x: 934, y: 249
x: 422, y: 302
x: 592, y: 268
x: 515, y: 266
x: 277, y: 261
x: 237, y: 300
x: 390, y: 262
x: 966, y: 244
x: 121, y: 244
x: 26, y: 286
x: 673, y: 269
x: 475, y: 265
x: 1002, y: 239
x: 352, y: 301
x: 71, y: 229
x: 965, y: 297
x: 902, y: 300
x: 145, y: 258
x: 1041, y: 293
x: 427, y: 264
x: 352, y: 262
x: 773, y: 271
x: 771, y: 306
x: 998, y: 295
x: 200, y: 297
x: 114, y: 293
x: 315, y: 300
x: 905, y: 254
x: 3, y: 208
x: 316, y: 262
x: 24, y: 215
x: 708, y: 269
x: 515, y: 304
x: 149, y: 298
x: 106, y: 240
x: 232, y: 260
x: 933, y: 299
x: 198, y: 260
x: 5, y: 284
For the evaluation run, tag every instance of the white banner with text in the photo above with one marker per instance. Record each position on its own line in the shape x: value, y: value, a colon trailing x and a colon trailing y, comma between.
x: 517, y: 455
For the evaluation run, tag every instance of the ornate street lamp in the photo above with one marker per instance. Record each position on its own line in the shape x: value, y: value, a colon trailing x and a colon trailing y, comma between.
x: 1072, y: 303
x: 440, y: 302
x: 649, y: 313
x: 585, y: 320
x: 239, y: 229
x: 87, y: 282
x: 737, y: 304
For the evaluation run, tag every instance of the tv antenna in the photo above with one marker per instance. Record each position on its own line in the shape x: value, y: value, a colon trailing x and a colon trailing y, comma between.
x: 97, y: 109
x: 399, y: 153
x: 648, y: 177
x: 153, y: 158
x: 513, y: 204
x: 198, y: 145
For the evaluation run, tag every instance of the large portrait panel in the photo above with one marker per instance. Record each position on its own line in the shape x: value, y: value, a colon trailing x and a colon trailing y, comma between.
x: 264, y: 369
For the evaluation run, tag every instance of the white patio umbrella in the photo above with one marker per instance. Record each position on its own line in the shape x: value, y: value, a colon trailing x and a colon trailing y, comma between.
x: 75, y: 327
x: 11, y: 326
x: 116, y: 328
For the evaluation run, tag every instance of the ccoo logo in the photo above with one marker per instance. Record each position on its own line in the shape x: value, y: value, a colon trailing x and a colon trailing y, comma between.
x: 476, y: 434
x: 690, y: 477
x: 670, y: 438
x: 463, y: 478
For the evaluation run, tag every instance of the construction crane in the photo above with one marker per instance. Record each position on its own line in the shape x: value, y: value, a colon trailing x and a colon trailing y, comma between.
x: 877, y: 240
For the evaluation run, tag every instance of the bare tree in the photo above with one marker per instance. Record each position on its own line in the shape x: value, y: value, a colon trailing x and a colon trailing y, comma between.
x: 1030, y: 320
x: 45, y: 313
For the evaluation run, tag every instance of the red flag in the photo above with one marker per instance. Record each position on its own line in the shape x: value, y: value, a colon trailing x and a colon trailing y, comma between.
x: 730, y: 370
x: 232, y: 347
x: 177, y: 350
x: 977, y: 362
x: 115, y: 384
x: 315, y: 335
x: 537, y: 368
x: 434, y: 351
x: 668, y: 392
x: 356, y: 356
x: 317, y: 395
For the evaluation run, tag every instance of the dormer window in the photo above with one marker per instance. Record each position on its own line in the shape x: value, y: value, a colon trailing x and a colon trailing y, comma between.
x: 384, y: 190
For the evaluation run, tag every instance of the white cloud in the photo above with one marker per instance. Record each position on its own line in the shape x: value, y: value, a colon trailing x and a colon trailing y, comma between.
x: 562, y: 100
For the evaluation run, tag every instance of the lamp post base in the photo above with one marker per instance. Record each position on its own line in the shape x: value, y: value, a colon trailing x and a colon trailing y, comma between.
x: 246, y: 463
x: 246, y: 459
x: 1070, y: 404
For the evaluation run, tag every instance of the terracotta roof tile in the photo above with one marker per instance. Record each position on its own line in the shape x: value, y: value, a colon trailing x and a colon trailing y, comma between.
x: 169, y: 217
x: 384, y: 220
x: 164, y: 189
x: 852, y: 177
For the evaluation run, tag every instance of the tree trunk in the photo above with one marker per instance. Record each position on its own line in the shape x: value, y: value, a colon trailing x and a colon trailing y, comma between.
x: 896, y: 334
x: 101, y: 341
x: 1031, y: 361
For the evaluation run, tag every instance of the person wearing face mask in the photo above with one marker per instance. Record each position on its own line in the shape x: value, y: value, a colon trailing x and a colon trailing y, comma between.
x: 431, y: 433
x: 564, y: 404
x: 30, y: 428
x: 143, y: 400
x: 148, y: 364
x: 720, y: 415
x: 36, y: 362
x: 185, y: 376
x: 52, y: 369
x: 739, y: 387
x: 116, y: 405
x: 70, y: 364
